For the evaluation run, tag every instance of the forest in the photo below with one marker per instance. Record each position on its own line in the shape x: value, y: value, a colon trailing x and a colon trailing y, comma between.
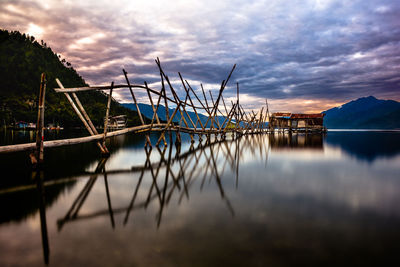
x: 22, y: 60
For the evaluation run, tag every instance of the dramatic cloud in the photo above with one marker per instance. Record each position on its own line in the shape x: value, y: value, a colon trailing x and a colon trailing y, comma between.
x: 305, y: 55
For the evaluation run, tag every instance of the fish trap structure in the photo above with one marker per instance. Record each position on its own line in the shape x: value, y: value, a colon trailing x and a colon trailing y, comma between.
x: 221, y: 117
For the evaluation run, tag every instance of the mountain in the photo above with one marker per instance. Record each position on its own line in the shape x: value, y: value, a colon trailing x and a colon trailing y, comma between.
x: 147, y: 111
x: 22, y: 60
x: 364, y: 113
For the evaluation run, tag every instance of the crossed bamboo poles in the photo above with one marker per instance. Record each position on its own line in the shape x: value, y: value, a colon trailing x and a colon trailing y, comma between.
x: 234, y: 118
x: 171, y: 175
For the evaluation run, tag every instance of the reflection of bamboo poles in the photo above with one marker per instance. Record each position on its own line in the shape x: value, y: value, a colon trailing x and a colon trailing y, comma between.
x: 191, y: 165
x: 42, y: 211
x: 108, y: 199
x: 189, y: 160
x: 193, y: 153
x: 77, y: 204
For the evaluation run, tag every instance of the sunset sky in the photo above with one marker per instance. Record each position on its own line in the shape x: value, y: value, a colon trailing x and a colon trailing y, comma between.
x: 303, y: 56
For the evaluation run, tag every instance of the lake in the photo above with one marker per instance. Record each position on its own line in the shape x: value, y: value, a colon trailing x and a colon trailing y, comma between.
x: 259, y: 200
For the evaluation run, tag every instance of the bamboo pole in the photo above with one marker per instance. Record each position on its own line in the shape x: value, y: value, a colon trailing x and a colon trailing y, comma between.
x: 168, y: 125
x: 230, y: 116
x: 223, y: 85
x: 37, y: 158
x: 74, y: 141
x: 175, y: 95
x: 85, y: 115
x: 191, y: 102
x: 133, y: 95
x: 107, y: 115
x: 136, y: 104
x: 154, y: 110
x: 201, y: 103
x: 237, y: 106
x: 102, y: 149
x: 226, y: 110
x: 208, y: 110
x: 152, y: 104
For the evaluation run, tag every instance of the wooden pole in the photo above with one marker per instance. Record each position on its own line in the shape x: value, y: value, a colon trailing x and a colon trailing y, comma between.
x: 155, y: 116
x: 136, y: 104
x: 177, y: 100
x: 107, y: 115
x: 133, y: 95
x: 237, y: 106
x: 229, y: 118
x: 191, y: 102
x: 85, y: 115
x: 102, y: 149
x: 154, y: 111
x: 38, y: 158
x: 168, y: 124
x: 152, y: 104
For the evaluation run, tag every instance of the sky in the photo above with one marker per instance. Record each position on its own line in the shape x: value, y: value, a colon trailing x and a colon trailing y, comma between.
x: 301, y: 55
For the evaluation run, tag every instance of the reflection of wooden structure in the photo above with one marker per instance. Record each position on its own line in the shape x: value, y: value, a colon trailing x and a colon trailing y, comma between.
x: 297, y: 122
x: 281, y: 141
x: 170, y: 175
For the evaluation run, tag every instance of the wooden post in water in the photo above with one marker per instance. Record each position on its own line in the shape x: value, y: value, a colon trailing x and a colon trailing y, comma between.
x: 106, y: 119
x: 37, y: 157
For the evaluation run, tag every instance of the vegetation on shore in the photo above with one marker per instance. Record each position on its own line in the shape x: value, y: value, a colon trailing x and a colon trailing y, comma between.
x: 22, y: 60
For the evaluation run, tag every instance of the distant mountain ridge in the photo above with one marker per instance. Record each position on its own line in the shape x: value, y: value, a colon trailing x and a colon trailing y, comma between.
x: 147, y: 111
x: 364, y: 113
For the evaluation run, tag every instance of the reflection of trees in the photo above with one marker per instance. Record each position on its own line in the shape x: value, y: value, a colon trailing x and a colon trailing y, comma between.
x: 172, y: 174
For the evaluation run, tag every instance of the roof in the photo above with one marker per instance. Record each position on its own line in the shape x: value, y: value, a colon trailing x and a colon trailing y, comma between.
x: 297, y: 115
x: 307, y: 116
x: 282, y: 115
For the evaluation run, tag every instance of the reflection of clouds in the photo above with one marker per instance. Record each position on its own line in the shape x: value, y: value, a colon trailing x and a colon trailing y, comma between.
x: 298, y: 201
x: 339, y: 181
x: 322, y: 51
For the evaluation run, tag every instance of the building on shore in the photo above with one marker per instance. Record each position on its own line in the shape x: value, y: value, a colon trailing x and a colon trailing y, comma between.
x: 117, y: 122
x: 297, y: 122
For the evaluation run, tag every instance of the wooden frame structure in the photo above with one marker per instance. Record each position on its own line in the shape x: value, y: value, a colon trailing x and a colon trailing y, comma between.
x: 221, y: 118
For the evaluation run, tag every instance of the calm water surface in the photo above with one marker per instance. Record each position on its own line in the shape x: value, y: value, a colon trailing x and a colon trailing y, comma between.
x: 270, y: 200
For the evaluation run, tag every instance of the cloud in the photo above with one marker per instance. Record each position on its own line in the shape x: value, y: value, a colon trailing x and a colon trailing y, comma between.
x: 321, y: 51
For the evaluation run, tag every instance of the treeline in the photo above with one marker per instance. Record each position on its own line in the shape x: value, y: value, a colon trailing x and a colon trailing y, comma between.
x: 22, y: 60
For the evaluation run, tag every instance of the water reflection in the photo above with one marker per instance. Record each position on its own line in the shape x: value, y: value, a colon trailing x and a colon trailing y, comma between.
x: 281, y: 199
x: 296, y: 141
x: 38, y: 176
x: 171, y: 172
x: 366, y: 146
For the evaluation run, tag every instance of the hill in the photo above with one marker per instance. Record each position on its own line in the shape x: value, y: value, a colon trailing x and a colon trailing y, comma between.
x: 364, y: 113
x: 22, y: 60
